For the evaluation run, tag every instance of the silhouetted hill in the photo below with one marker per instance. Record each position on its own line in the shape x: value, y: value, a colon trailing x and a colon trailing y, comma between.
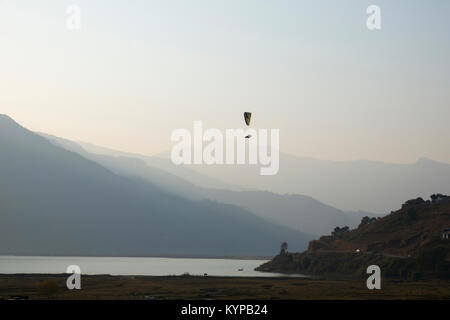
x: 56, y: 202
x: 407, y: 243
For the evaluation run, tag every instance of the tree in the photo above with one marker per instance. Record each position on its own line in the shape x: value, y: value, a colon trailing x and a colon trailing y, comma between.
x: 284, y: 247
x: 366, y: 220
x: 437, y: 197
x: 49, y: 288
x: 413, y: 202
x: 339, y: 232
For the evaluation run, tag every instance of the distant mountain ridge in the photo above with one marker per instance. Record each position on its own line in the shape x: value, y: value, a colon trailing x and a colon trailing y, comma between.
x: 157, y: 162
x: 57, y: 202
x: 364, y: 185
x: 299, y: 212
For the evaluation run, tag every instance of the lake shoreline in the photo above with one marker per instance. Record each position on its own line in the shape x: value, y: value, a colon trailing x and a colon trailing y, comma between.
x: 143, y: 266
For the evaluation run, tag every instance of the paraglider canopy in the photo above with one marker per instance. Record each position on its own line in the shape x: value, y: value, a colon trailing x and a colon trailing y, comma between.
x: 247, y: 117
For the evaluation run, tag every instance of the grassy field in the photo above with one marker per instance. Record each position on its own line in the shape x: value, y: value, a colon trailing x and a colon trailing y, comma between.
x: 188, y: 287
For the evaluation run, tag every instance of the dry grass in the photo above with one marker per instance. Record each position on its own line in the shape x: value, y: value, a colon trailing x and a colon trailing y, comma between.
x: 142, y: 287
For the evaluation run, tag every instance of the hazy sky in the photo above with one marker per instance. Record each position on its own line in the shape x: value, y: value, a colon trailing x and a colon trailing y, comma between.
x: 139, y: 69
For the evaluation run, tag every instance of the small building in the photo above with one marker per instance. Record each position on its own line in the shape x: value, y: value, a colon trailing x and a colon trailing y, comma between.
x: 446, y: 234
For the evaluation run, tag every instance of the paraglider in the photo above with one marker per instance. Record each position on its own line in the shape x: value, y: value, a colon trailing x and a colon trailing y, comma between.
x: 248, y: 118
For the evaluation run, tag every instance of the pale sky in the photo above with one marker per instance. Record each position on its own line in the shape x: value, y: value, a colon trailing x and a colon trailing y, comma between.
x: 137, y: 70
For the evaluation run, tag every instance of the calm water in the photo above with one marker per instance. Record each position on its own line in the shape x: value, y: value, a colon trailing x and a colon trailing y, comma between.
x: 134, y: 266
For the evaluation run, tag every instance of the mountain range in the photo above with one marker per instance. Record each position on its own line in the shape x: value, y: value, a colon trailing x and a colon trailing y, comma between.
x: 64, y: 197
x: 57, y: 202
x: 298, y: 212
x: 362, y: 185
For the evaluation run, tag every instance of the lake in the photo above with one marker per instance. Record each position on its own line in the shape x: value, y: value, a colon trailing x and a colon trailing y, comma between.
x: 148, y: 266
